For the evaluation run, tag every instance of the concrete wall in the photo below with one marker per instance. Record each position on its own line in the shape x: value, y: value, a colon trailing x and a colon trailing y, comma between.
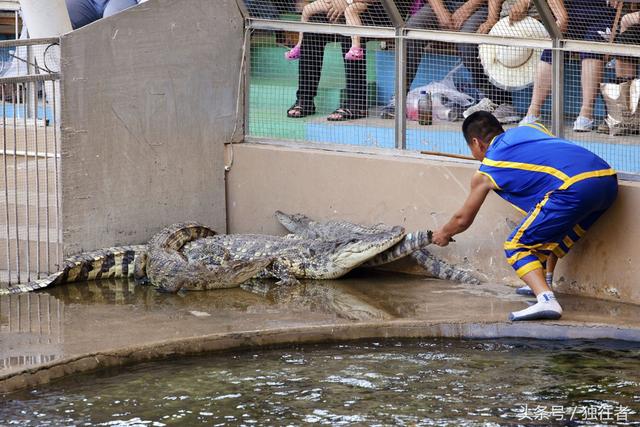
x: 420, y: 193
x: 149, y: 101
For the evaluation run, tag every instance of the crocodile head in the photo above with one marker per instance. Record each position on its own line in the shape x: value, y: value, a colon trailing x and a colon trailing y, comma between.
x: 348, y: 253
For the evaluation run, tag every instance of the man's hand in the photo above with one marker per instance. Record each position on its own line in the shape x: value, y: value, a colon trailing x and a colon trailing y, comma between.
x: 441, y: 238
x: 336, y: 9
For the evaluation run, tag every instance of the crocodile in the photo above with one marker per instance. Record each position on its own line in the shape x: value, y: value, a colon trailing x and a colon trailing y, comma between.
x: 412, y: 244
x: 296, y: 256
x: 159, y: 262
x: 302, y: 225
x: 192, y: 257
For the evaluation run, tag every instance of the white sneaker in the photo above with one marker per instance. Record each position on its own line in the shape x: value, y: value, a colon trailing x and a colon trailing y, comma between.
x: 485, y: 104
x: 506, y: 113
x: 527, y: 120
x: 583, y: 124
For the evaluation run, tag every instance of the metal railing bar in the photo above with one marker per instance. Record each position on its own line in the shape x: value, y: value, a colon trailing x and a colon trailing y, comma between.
x: 548, y: 20
x: 38, y: 264
x: 42, y: 155
x: 46, y: 167
x: 56, y: 167
x: 15, y: 180
x: 393, y: 12
x: 401, y: 92
x: 6, y: 180
x: 28, y: 42
x: 26, y: 161
x: 30, y: 78
x: 598, y: 47
x: 323, y: 28
x: 474, y: 38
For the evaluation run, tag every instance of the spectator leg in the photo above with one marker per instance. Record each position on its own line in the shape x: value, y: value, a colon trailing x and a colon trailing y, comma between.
x: 425, y: 18
x: 355, y: 97
x: 541, y: 88
x: 591, y: 76
x: 310, y: 67
x: 115, y: 6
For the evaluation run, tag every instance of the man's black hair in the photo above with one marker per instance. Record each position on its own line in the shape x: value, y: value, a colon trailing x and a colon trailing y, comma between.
x: 482, y: 125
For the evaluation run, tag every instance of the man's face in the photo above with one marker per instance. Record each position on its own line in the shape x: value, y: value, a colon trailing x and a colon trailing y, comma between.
x: 477, y: 148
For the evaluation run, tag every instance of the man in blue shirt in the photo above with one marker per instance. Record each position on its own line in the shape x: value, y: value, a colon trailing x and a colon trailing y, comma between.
x: 561, y: 188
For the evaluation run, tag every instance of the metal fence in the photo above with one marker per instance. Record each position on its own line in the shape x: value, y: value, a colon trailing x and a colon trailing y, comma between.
x: 359, y: 81
x: 30, y: 192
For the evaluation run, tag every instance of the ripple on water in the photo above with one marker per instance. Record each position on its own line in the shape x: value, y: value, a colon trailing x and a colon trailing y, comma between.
x: 436, y: 382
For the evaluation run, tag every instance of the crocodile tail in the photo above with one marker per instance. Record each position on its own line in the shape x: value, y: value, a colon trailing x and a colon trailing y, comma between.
x: 175, y: 236
x: 442, y: 269
x: 106, y: 263
x: 411, y: 243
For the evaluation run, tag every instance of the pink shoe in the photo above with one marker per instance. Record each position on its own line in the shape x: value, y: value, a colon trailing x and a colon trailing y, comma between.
x: 293, y: 54
x: 354, y: 54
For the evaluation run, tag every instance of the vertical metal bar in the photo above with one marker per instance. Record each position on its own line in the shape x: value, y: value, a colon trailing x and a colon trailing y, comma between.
x: 557, y: 89
x: 243, y: 9
x: 26, y: 173
x: 548, y: 19
x: 37, y: 191
x: 15, y: 179
x: 6, y: 179
x: 56, y: 157
x: 401, y: 90
x: 247, y: 77
x: 393, y: 12
x: 46, y: 167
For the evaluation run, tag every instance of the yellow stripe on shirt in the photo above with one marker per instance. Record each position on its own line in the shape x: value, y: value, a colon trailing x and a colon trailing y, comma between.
x: 528, y: 167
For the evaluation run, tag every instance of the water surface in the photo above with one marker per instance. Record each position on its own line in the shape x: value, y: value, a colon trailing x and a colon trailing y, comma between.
x: 435, y: 382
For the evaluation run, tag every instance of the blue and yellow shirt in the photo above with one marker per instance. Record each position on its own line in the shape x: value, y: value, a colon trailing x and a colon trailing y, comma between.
x: 527, y: 162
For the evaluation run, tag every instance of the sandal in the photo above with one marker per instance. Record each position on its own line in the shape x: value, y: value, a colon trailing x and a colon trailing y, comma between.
x: 293, y: 53
x: 297, y: 111
x: 354, y: 54
x: 343, y: 114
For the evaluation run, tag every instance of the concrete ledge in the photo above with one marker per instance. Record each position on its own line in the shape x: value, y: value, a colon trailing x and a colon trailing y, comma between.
x: 367, y: 185
x: 238, y: 341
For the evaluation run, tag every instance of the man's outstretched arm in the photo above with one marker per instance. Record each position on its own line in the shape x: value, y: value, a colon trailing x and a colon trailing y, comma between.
x: 463, y: 218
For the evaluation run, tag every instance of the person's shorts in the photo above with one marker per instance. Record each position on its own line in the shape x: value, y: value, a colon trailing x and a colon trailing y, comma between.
x: 558, y: 222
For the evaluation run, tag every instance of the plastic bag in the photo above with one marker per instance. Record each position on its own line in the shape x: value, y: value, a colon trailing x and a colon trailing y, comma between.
x: 447, y: 101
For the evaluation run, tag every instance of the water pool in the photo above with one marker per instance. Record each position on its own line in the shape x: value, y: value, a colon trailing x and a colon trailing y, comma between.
x: 434, y: 382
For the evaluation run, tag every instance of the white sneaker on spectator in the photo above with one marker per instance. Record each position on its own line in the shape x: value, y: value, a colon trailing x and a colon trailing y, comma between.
x: 485, y: 104
x: 583, y: 124
x: 527, y: 120
x: 506, y: 113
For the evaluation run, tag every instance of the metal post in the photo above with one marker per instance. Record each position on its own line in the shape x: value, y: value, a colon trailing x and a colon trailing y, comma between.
x: 557, y: 74
x: 393, y: 12
x: 548, y: 19
x: 401, y: 91
x: 246, y: 81
x: 557, y: 89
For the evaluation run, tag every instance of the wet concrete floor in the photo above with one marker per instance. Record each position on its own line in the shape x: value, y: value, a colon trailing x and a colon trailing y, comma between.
x: 75, y: 320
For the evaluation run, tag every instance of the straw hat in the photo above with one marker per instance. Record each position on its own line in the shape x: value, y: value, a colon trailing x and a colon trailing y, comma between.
x: 512, y: 68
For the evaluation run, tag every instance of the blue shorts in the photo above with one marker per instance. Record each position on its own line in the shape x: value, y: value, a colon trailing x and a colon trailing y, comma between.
x: 557, y: 222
